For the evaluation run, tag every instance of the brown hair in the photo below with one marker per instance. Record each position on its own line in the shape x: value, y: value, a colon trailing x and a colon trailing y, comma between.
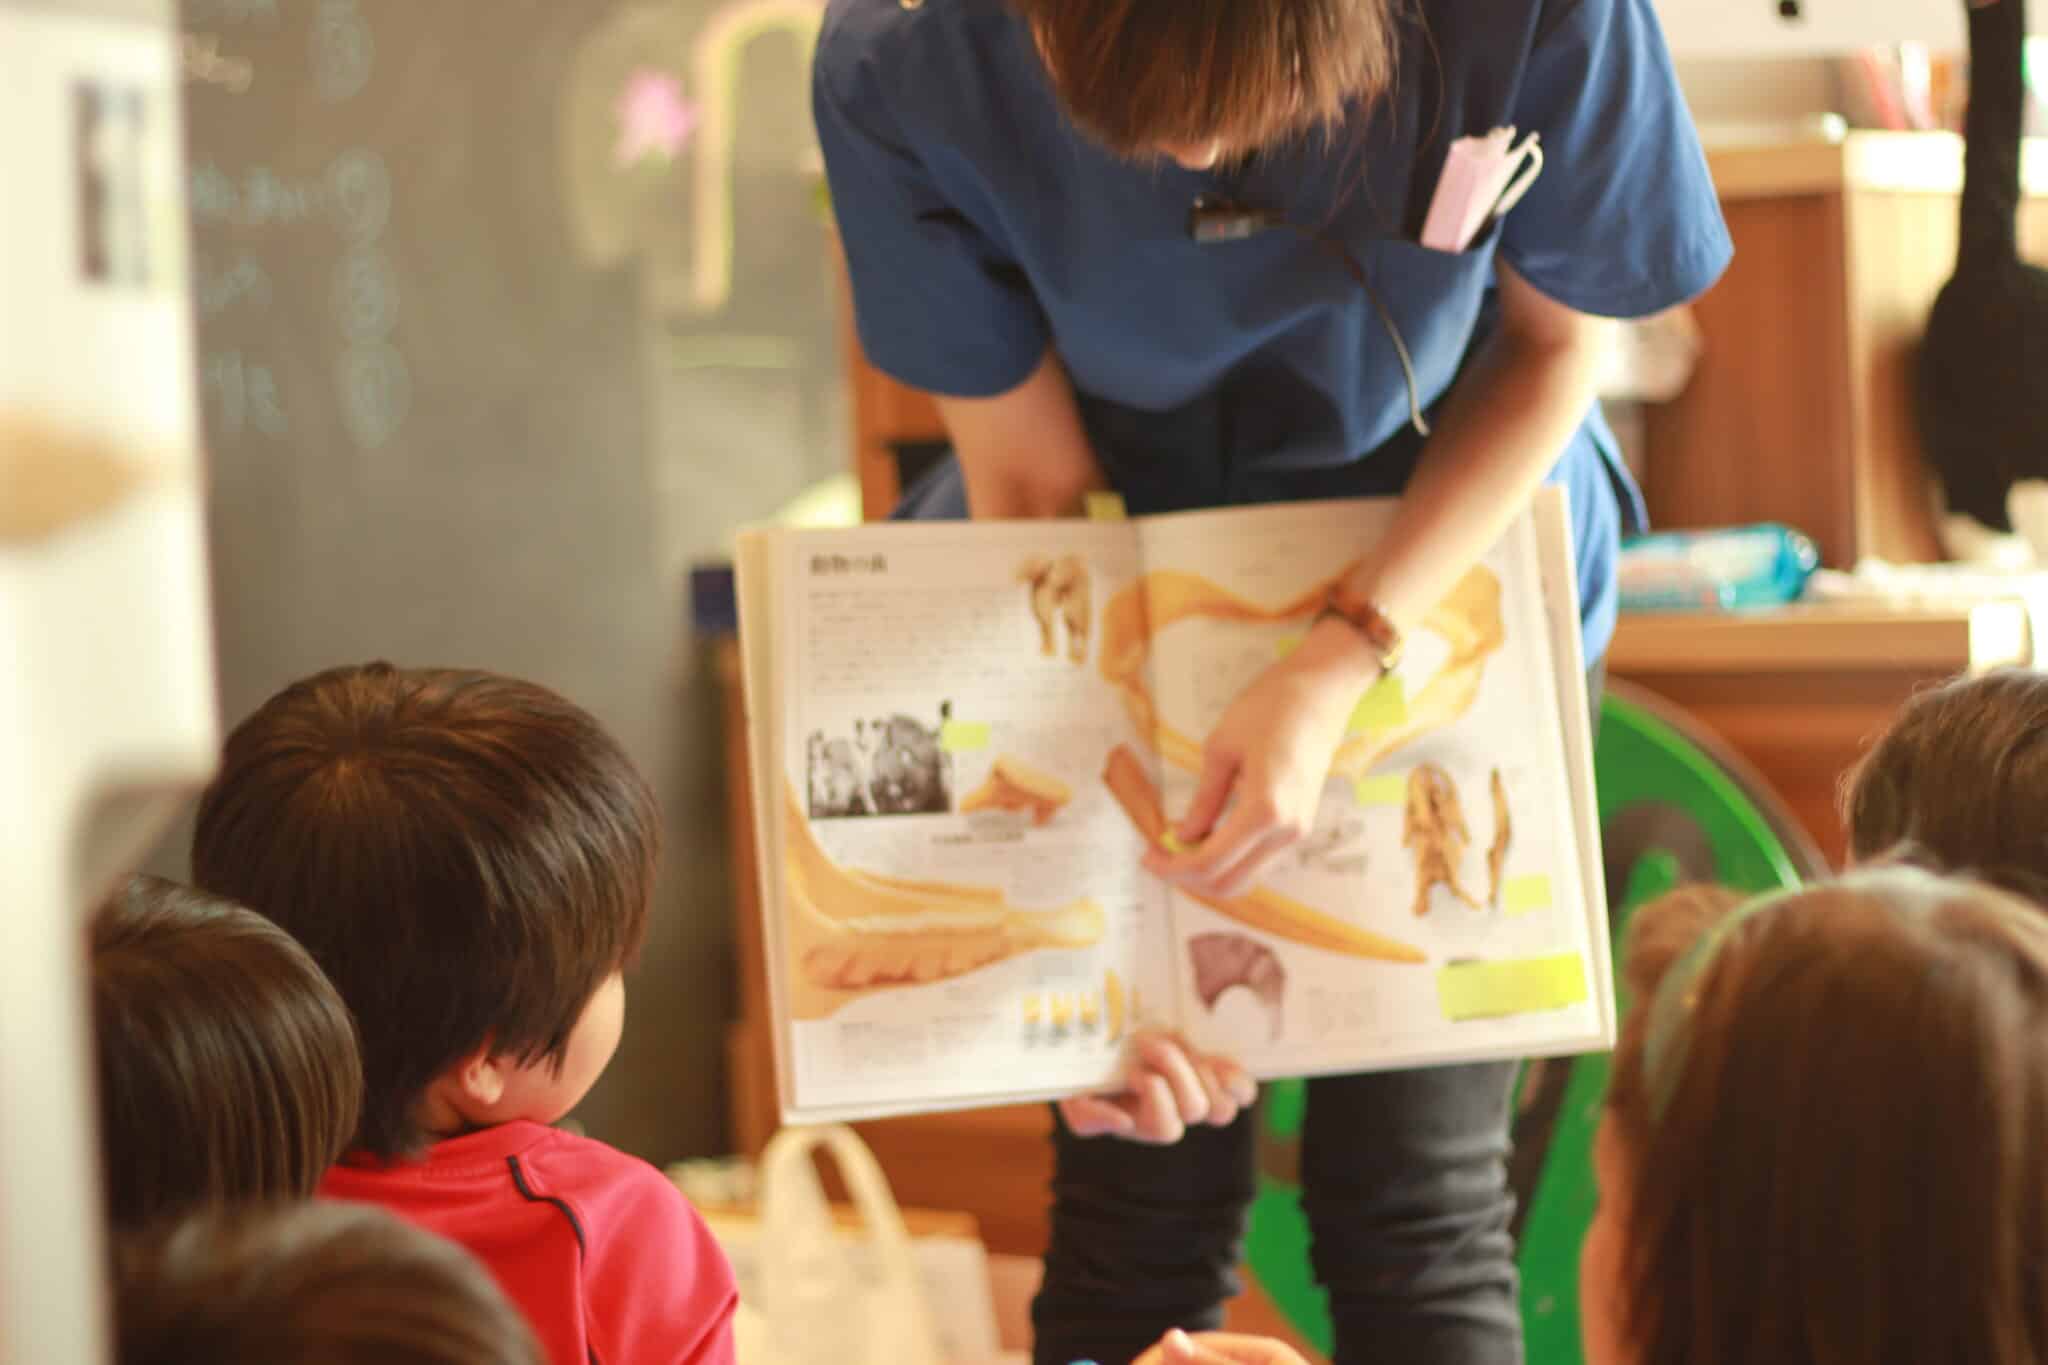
x: 315, y: 1284
x: 1852, y: 1163
x: 1960, y: 781
x: 1138, y: 73
x: 227, y: 1063
x: 467, y: 855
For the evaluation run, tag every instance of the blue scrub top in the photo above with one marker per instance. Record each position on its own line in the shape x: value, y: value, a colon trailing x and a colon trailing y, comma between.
x: 981, y: 227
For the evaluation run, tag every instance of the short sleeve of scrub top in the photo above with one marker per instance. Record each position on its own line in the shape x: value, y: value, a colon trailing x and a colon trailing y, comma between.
x: 1624, y: 221
x: 961, y: 318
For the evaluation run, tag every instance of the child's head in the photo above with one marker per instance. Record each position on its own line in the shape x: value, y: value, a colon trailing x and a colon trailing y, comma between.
x: 1960, y: 780
x: 471, y: 860
x: 227, y: 1063
x: 315, y: 1284
x: 1199, y: 80
x: 1826, y: 1135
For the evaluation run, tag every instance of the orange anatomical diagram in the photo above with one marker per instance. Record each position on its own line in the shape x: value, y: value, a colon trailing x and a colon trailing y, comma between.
x: 1503, y: 835
x: 1433, y: 829
x: 1015, y: 785
x: 1059, y: 597
x: 852, y: 933
x: 1468, y: 620
x: 1260, y: 908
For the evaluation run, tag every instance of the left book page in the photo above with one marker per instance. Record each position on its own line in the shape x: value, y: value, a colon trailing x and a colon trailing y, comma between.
x: 956, y: 914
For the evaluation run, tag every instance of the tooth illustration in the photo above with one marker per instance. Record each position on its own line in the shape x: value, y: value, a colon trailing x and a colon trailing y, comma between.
x: 853, y: 932
x: 1113, y: 1002
x: 1497, y: 856
x: 1069, y: 579
x: 1062, y: 1013
x: 1091, y: 1011
x: 1035, y: 573
x: 1261, y: 908
x: 1223, y: 960
x: 1433, y: 827
x: 1015, y: 785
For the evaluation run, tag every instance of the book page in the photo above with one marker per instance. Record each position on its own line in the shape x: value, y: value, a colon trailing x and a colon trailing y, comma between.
x: 1439, y: 909
x: 963, y: 916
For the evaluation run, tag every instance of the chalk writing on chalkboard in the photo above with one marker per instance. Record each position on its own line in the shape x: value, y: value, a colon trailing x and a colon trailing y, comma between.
x: 614, y: 211
x: 241, y: 395
x: 655, y: 118
x: 353, y: 196
x: 366, y: 296
x: 715, y: 63
x: 206, y: 64
x: 343, y: 51
x: 376, y: 391
x: 219, y: 286
x: 230, y: 11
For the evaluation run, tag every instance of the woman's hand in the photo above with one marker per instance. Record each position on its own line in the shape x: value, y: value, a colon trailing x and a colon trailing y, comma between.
x: 1265, y: 763
x: 1171, y: 1087
x: 1219, y: 1348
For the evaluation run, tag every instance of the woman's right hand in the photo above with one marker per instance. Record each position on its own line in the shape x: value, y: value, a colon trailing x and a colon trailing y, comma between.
x: 1171, y: 1087
x: 1219, y: 1348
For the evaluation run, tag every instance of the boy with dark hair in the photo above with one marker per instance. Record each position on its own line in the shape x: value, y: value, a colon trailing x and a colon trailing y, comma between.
x: 226, y: 1063
x: 471, y: 858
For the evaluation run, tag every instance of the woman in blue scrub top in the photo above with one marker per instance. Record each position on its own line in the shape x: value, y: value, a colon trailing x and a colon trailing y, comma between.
x: 1014, y: 182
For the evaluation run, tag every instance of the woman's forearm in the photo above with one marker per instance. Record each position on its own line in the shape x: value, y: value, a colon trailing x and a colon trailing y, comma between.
x: 1496, y: 437
x: 1499, y: 432
x: 1023, y: 453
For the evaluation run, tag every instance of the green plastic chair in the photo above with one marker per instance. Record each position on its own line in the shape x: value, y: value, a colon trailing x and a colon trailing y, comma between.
x: 1675, y: 806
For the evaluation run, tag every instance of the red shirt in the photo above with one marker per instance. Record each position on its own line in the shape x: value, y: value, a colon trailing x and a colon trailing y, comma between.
x: 607, y: 1259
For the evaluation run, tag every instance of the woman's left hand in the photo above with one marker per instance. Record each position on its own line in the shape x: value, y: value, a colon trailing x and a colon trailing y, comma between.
x: 1265, y: 763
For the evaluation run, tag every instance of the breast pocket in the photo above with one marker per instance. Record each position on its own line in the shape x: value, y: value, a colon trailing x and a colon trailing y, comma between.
x: 1431, y: 299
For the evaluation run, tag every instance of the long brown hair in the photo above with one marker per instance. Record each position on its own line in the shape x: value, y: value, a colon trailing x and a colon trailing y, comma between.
x: 314, y: 1284
x: 1851, y: 1164
x: 469, y: 857
x: 1960, y: 781
x: 1136, y: 74
x: 227, y: 1063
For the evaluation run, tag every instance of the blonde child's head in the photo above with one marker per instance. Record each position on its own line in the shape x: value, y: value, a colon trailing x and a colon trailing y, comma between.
x: 1826, y: 1134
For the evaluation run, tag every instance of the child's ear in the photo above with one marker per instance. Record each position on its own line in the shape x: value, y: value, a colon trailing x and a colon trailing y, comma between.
x: 481, y: 1077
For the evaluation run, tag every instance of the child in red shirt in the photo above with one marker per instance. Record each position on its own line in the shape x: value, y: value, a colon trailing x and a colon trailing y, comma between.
x: 470, y: 858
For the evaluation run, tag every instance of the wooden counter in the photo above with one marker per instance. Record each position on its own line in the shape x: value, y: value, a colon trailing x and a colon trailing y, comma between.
x: 1801, y: 692
x: 1801, y: 408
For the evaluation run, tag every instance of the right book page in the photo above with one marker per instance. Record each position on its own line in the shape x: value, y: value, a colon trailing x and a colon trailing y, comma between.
x: 1446, y: 906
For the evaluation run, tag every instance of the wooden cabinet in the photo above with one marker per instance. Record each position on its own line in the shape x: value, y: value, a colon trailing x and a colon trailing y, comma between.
x: 1800, y: 410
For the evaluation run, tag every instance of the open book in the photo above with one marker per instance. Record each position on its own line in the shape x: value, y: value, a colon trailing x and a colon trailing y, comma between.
x: 964, y: 736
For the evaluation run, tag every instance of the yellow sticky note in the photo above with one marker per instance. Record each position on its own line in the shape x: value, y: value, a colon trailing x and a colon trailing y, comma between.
x: 958, y: 736
x: 1387, y: 789
x: 1104, y: 506
x: 1491, y: 990
x: 1382, y: 708
x: 1286, y: 645
x: 1523, y: 894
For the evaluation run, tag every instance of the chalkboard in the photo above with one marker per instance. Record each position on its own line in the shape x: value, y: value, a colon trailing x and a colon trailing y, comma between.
x: 508, y: 310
